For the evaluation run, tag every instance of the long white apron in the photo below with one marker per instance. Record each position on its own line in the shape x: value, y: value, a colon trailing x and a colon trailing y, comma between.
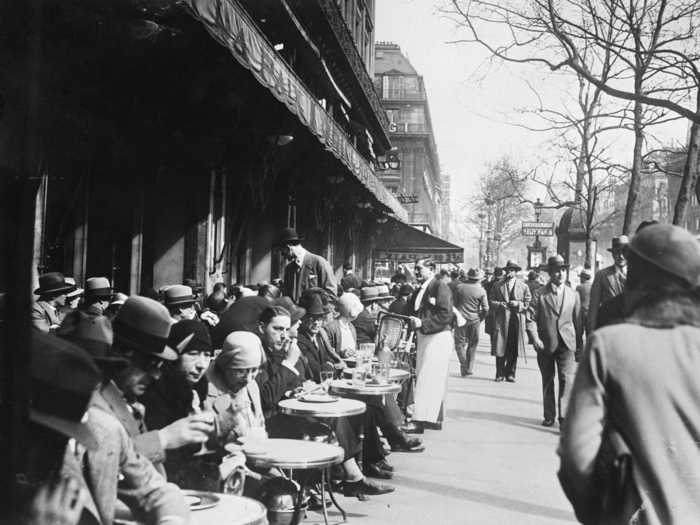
x: 433, y: 353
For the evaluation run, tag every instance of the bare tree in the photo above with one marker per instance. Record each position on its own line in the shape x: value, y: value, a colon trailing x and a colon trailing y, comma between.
x: 653, y: 42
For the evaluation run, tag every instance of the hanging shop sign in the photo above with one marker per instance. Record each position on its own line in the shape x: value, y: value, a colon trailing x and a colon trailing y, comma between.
x: 228, y: 23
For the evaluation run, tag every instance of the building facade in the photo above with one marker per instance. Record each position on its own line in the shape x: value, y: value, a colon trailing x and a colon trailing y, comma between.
x: 418, y: 182
x: 175, y: 140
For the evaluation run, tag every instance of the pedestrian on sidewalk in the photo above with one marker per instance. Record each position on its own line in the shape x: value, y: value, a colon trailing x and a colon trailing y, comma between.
x: 509, y: 302
x: 555, y: 327
x: 639, y: 378
x: 433, y: 318
x: 471, y: 301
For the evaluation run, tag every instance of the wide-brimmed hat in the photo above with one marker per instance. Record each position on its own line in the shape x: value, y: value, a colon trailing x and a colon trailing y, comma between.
x: 619, y: 243
x: 143, y: 325
x: 63, y: 379
x: 556, y: 261
x: 512, y: 265
x: 98, y: 287
x: 288, y: 236
x: 53, y: 283
x: 295, y: 312
x: 475, y: 274
x: 383, y: 293
x: 93, y: 334
x: 178, y: 295
x: 188, y: 335
x: 670, y: 248
x: 369, y: 294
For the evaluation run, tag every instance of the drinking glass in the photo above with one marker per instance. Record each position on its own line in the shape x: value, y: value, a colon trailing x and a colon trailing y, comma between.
x: 326, y: 378
x: 367, y: 349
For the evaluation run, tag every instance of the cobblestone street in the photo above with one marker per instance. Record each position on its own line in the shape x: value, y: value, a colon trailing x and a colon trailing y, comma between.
x: 492, y: 464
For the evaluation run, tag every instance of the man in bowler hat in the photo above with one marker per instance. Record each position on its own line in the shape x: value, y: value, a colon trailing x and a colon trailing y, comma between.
x: 305, y: 269
x: 556, y: 331
x: 52, y: 296
x: 609, y: 282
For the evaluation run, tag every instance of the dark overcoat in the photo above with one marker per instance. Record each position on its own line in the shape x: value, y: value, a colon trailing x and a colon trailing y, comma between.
x: 500, y: 296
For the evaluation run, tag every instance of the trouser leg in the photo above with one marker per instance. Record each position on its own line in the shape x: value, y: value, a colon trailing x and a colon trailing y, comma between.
x: 566, y: 360
x: 472, y: 343
x: 545, y: 361
x: 460, y: 337
x: 500, y: 366
x: 511, y: 363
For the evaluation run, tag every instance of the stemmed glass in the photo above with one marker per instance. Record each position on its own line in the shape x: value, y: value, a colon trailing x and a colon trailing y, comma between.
x: 327, y: 374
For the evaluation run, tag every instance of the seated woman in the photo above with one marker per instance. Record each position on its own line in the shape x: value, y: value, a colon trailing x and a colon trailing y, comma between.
x: 341, y: 332
x: 238, y: 407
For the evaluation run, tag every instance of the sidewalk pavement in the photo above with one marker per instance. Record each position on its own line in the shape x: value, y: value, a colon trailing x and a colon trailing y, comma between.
x: 491, y: 464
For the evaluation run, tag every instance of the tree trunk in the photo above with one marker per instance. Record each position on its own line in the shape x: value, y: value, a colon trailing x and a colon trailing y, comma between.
x: 636, y: 167
x: 690, y: 175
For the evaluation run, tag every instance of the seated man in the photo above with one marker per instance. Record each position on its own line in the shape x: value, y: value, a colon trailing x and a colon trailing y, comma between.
x: 286, y: 370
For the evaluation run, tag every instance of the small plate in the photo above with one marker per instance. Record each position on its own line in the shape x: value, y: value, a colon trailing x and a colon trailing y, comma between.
x: 199, y: 500
x: 318, y: 398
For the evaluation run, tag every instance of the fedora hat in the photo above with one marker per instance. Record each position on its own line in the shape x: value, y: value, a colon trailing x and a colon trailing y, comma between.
x: 98, y: 287
x: 512, y: 265
x: 475, y: 274
x: 556, y: 261
x: 295, y: 312
x: 289, y: 236
x: 93, y: 334
x: 178, y: 295
x: 369, y: 294
x: 383, y: 292
x: 143, y: 325
x: 670, y: 248
x: 314, y: 306
x: 63, y: 379
x: 53, y: 283
x: 619, y: 243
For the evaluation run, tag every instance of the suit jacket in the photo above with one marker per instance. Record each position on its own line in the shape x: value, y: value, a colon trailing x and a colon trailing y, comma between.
x: 471, y: 301
x: 365, y: 328
x: 315, y: 272
x: 607, y: 283
x: 141, y: 487
x: 316, y: 354
x: 275, y: 380
x: 502, y: 313
x: 44, y: 316
x: 556, y: 318
x: 435, y: 310
x: 111, y: 400
x: 400, y: 306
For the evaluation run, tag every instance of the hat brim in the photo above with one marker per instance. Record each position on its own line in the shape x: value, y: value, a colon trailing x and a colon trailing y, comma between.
x: 100, y: 292
x: 72, y: 429
x: 76, y: 293
x: 167, y: 354
x: 516, y: 268
x: 181, y: 302
x: 65, y: 288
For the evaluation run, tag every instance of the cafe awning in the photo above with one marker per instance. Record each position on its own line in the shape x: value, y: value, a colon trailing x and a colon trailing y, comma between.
x: 231, y: 26
x: 402, y: 243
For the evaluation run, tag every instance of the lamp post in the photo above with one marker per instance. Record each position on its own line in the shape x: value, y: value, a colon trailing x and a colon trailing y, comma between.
x: 538, y: 211
x: 489, y: 201
x: 481, y: 216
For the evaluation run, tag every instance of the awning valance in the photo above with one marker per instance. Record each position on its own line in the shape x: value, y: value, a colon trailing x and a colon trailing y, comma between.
x: 405, y: 244
x: 230, y: 25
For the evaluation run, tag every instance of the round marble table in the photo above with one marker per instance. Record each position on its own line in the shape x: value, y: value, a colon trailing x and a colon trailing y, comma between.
x: 346, y: 387
x: 396, y: 375
x: 341, y: 407
x: 292, y: 454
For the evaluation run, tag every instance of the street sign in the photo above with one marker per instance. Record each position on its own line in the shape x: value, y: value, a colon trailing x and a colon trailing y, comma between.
x: 543, y: 229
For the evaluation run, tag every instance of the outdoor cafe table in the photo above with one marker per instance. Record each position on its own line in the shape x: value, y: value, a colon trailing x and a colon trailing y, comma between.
x: 396, y: 375
x: 229, y: 510
x: 292, y: 454
x: 341, y: 407
x: 348, y: 388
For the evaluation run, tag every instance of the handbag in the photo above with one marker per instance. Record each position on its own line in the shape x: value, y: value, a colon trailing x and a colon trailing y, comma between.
x: 617, y: 499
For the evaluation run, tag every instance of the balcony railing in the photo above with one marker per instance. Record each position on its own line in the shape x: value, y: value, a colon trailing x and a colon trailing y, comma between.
x: 404, y: 95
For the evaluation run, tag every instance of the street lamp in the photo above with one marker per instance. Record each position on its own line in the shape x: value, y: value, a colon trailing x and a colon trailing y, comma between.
x: 538, y: 211
x: 481, y: 216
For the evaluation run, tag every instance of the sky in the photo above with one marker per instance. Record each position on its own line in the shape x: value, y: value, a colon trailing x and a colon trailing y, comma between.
x: 472, y: 100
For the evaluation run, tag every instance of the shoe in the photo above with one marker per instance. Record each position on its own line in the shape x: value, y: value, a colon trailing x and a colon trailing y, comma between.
x: 414, y: 427
x: 510, y: 379
x: 384, y: 465
x: 315, y: 502
x: 408, y: 445
x: 499, y: 379
x: 432, y: 426
x: 373, y: 470
x: 362, y: 488
x: 468, y: 373
x: 548, y: 422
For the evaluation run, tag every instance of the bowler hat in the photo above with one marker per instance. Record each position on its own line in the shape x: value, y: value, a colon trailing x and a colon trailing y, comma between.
x: 474, y: 274
x: 511, y: 265
x: 98, y: 287
x: 143, y: 325
x: 63, y: 379
x: 296, y: 312
x: 53, y: 283
x: 619, y: 243
x: 556, y: 261
x: 92, y: 333
x: 190, y: 334
x: 670, y: 248
x: 178, y: 295
x: 289, y: 236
